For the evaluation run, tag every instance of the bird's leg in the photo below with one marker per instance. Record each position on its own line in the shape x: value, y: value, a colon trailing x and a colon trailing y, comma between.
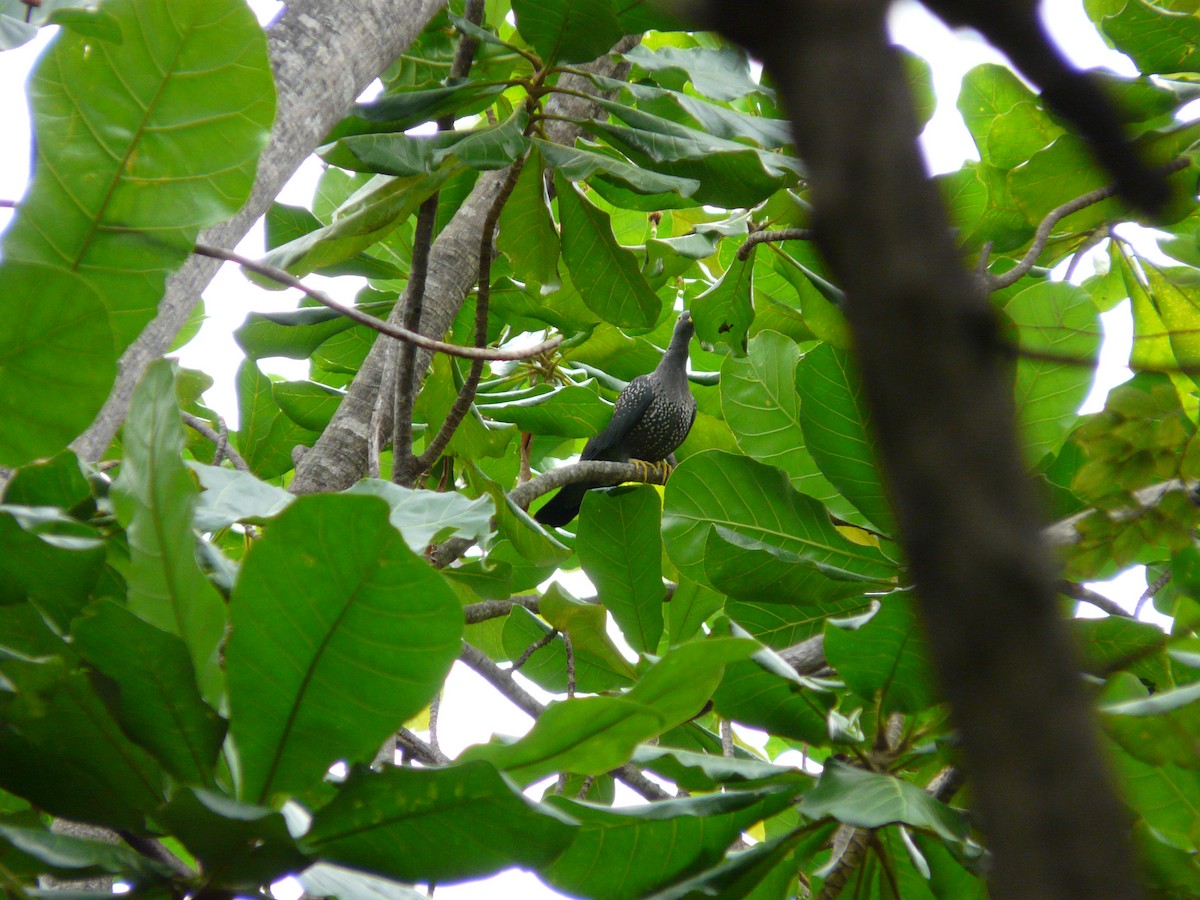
x: 653, y: 472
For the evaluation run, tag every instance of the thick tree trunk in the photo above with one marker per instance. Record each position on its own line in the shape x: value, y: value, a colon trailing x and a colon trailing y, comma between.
x: 324, y: 54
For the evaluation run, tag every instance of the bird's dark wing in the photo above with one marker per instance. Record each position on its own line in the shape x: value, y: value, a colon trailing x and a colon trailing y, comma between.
x: 631, y: 406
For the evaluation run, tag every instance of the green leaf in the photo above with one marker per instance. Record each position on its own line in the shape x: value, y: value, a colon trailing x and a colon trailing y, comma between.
x: 437, y: 825
x: 57, y: 359
x: 606, y: 274
x: 592, y: 735
x: 1062, y: 320
x: 701, y: 772
x: 1162, y: 729
x: 430, y: 517
x: 1158, y: 40
x: 744, y: 873
x: 599, y: 666
x: 324, y: 880
x: 381, y: 206
x: 724, y: 312
x: 1178, y: 302
x: 48, y: 558
x: 1167, y: 797
x: 266, y: 437
x: 834, y: 420
x: 568, y: 31
x: 870, y: 800
x: 404, y: 155
x: 399, y: 111
x: 157, y: 702
x: 340, y: 633
x: 760, y: 402
x: 154, y: 498
x: 573, y: 411
x: 620, y: 549
x: 62, y: 750
x: 989, y: 91
x: 231, y: 495
x: 722, y: 73
x: 309, y: 404
x: 294, y: 334
x: 632, y: 852
x: 141, y: 144
x: 605, y: 173
x: 526, y: 234
x: 587, y: 625
x: 57, y: 481
x: 68, y: 852
x: 240, y: 846
x: 689, y: 608
x: 886, y: 656
x: 756, y: 503
x: 787, y: 707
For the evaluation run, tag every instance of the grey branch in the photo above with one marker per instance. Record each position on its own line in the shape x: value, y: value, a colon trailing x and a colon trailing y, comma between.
x: 206, y: 431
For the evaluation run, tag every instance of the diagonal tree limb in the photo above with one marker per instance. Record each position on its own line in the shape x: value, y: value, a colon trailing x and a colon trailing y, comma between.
x: 936, y: 378
x: 324, y: 53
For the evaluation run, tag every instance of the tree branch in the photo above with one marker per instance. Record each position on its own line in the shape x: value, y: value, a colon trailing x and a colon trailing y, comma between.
x: 362, y: 318
x: 221, y: 441
x: 754, y: 238
x: 1042, y: 235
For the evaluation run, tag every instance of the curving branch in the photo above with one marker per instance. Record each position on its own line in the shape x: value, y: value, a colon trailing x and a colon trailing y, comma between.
x: 362, y: 318
x: 219, y: 439
x: 754, y: 238
x: 1042, y: 235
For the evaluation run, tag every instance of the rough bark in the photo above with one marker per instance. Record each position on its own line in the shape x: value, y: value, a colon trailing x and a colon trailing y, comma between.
x: 938, y: 386
x: 323, y: 53
x: 339, y: 458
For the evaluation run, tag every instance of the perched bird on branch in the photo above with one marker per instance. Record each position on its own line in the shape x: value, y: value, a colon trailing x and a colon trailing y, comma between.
x: 652, y: 417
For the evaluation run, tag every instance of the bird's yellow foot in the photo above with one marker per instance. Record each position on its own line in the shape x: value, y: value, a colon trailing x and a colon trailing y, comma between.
x: 653, y: 472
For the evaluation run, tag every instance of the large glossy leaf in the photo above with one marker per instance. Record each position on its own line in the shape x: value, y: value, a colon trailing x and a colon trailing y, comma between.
x: 370, y: 215
x: 157, y: 702
x: 631, y: 852
x: 621, y: 551
x: 266, y: 437
x: 750, y: 508
x: 870, y: 800
x: 1163, y: 795
x: 568, y: 31
x: 62, y: 750
x: 442, y: 825
x: 1160, y: 729
x: 429, y: 517
x: 527, y: 235
x: 1157, y: 39
x: 606, y: 274
x: 587, y: 626
x: 142, y: 143
x: 592, y: 735
x: 724, y: 312
x: 579, y: 164
x: 239, y: 845
x: 787, y: 707
x: 1062, y: 320
x: 573, y: 410
x: 154, y: 498
x: 886, y: 657
x: 340, y: 633
x: 722, y: 73
x: 599, y: 667
x: 762, y: 406
x: 57, y: 359
x: 487, y: 147
x: 48, y: 558
x: 833, y: 419
x: 294, y: 334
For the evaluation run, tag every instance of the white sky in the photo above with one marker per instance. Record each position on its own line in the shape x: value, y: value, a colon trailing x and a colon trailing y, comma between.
x: 471, y: 712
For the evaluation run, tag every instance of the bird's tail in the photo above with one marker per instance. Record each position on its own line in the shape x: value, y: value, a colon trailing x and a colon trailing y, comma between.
x: 563, y: 506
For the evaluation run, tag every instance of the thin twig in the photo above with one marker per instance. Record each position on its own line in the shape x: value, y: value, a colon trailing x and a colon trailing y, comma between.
x: 466, y: 396
x: 202, y: 428
x: 754, y: 238
x: 435, y: 706
x: 1042, y: 235
x: 1151, y: 590
x: 419, y: 750
x: 544, y: 641
x: 362, y: 318
x: 570, y: 648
